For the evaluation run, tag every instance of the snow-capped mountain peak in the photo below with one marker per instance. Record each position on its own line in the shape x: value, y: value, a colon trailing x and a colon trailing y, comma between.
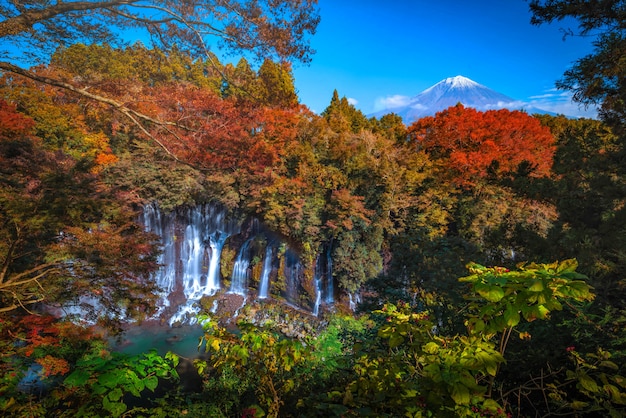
x: 451, y: 91
x: 459, y: 82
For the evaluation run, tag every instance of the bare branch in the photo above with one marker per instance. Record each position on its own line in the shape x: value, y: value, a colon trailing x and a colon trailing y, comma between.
x: 133, y: 115
x: 25, y: 21
x: 17, y: 280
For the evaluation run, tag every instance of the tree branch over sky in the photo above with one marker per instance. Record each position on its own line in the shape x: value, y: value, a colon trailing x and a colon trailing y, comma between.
x: 271, y: 28
x: 32, y: 30
x: 598, y: 78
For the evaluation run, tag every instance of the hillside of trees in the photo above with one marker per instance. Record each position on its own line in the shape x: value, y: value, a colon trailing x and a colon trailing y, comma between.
x: 488, y: 248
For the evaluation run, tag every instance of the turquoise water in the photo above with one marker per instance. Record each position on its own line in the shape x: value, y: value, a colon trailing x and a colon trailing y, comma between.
x: 182, y: 341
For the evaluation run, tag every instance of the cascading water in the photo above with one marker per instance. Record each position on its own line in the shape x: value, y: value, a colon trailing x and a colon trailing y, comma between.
x: 194, y: 255
x: 265, y: 275
x: 239, y: 278
x: 292, y: 277
x: 354, y: 300
x: 330, y: 288
x: 216, y: 242
x: 192, y: 242
x: 318, y: 295
x: 193, y: 239
x: 163, y: 227
x: 318, y: 279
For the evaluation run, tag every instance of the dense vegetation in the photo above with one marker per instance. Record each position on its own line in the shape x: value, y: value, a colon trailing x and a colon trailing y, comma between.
x: 414, y: 215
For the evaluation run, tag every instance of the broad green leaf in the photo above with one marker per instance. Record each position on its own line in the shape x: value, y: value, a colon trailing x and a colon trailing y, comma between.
x: 77, y: 378
x: 395, y: 340
x: 115, y: 395
x: 431, y: 347
x: 491, y: 405
x: 492, y: 293
x: 460, y: 394
x: 542, y: 312
x: 511, y: 316
x: 578, y: 405
x: 609, y: 364
x: 588, y: 383
x: 172, y: 357
x: 109, y: 379
x: 489, y: 362
x: 151, y: 382
x: 567, y: 266
x: 409, y: 393
x: 115, y: 408
x: 537, y: 286
x: 478, y: 325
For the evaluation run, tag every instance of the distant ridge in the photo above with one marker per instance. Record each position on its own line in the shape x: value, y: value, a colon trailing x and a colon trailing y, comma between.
x: 455, y: 90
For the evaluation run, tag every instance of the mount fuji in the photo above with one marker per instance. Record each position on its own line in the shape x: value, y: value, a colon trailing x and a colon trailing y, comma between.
x: 455, y: 90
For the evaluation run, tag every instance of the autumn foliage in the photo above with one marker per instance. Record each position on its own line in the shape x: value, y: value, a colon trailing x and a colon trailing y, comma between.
x: 211, y: 133
x: 471, y: 145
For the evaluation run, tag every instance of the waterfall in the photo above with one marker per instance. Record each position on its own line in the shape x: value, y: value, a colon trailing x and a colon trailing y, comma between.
x: 239, y: 278
x: 330, y: 288
x: 318, y: 279
x: 192, y: 242
x: 192, y: 239
x: 318, y: 294
x: 216, y: 242
x: 193, y: 255
x: 163, y: 227
x: 292, y: 277
x: 354, y: 300
x: 265, y: 275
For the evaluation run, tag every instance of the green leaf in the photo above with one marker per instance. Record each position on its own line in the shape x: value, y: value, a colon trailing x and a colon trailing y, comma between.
x: 431, y: 347
x: 109, y: 379
x: 567, y: 266
x: 492, y: 293
x: 77, y: 378
x: 588, y: 383
x: 609, y: 364
x: 490, y: 362
x: 460, y: 394
x: 200, y: 365
x: 115, y: 408
x: 511, y: 316
x: 151, y: 382
x: 537, y: 286
x: 578, y: 405
x: 395, y: 340
x: 172, y: 357
x: 542, y: 312
x: 115, y: 395
x: 491, y: 405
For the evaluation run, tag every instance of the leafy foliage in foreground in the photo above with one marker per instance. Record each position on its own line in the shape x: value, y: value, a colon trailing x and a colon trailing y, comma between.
x: 398, y: 361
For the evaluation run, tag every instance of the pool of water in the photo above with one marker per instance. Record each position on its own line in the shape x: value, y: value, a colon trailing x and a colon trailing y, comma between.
x: 182, y: 340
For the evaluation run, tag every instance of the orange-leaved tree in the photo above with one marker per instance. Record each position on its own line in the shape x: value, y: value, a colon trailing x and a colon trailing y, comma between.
x: 32, y: 31
x: 66, y: 237
x: 471, y: 145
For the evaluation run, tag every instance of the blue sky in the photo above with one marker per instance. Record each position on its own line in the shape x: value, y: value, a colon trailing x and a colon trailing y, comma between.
x: 376, y: 51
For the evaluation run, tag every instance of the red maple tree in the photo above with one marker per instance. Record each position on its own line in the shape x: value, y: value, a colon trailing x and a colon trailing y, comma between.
x: 471, y: 144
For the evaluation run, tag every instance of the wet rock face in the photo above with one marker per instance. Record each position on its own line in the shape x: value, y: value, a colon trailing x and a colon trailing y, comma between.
x: 207, y: 253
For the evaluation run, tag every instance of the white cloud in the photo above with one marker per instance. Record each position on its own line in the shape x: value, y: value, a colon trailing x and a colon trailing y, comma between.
x: 504, y: 105
x: 543, y: 96
x: 561, y: 102
x: 352, y: 101
x: 391, y: 102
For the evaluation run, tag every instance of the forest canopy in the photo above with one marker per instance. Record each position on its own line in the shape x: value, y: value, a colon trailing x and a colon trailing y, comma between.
x: 478, y: 257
